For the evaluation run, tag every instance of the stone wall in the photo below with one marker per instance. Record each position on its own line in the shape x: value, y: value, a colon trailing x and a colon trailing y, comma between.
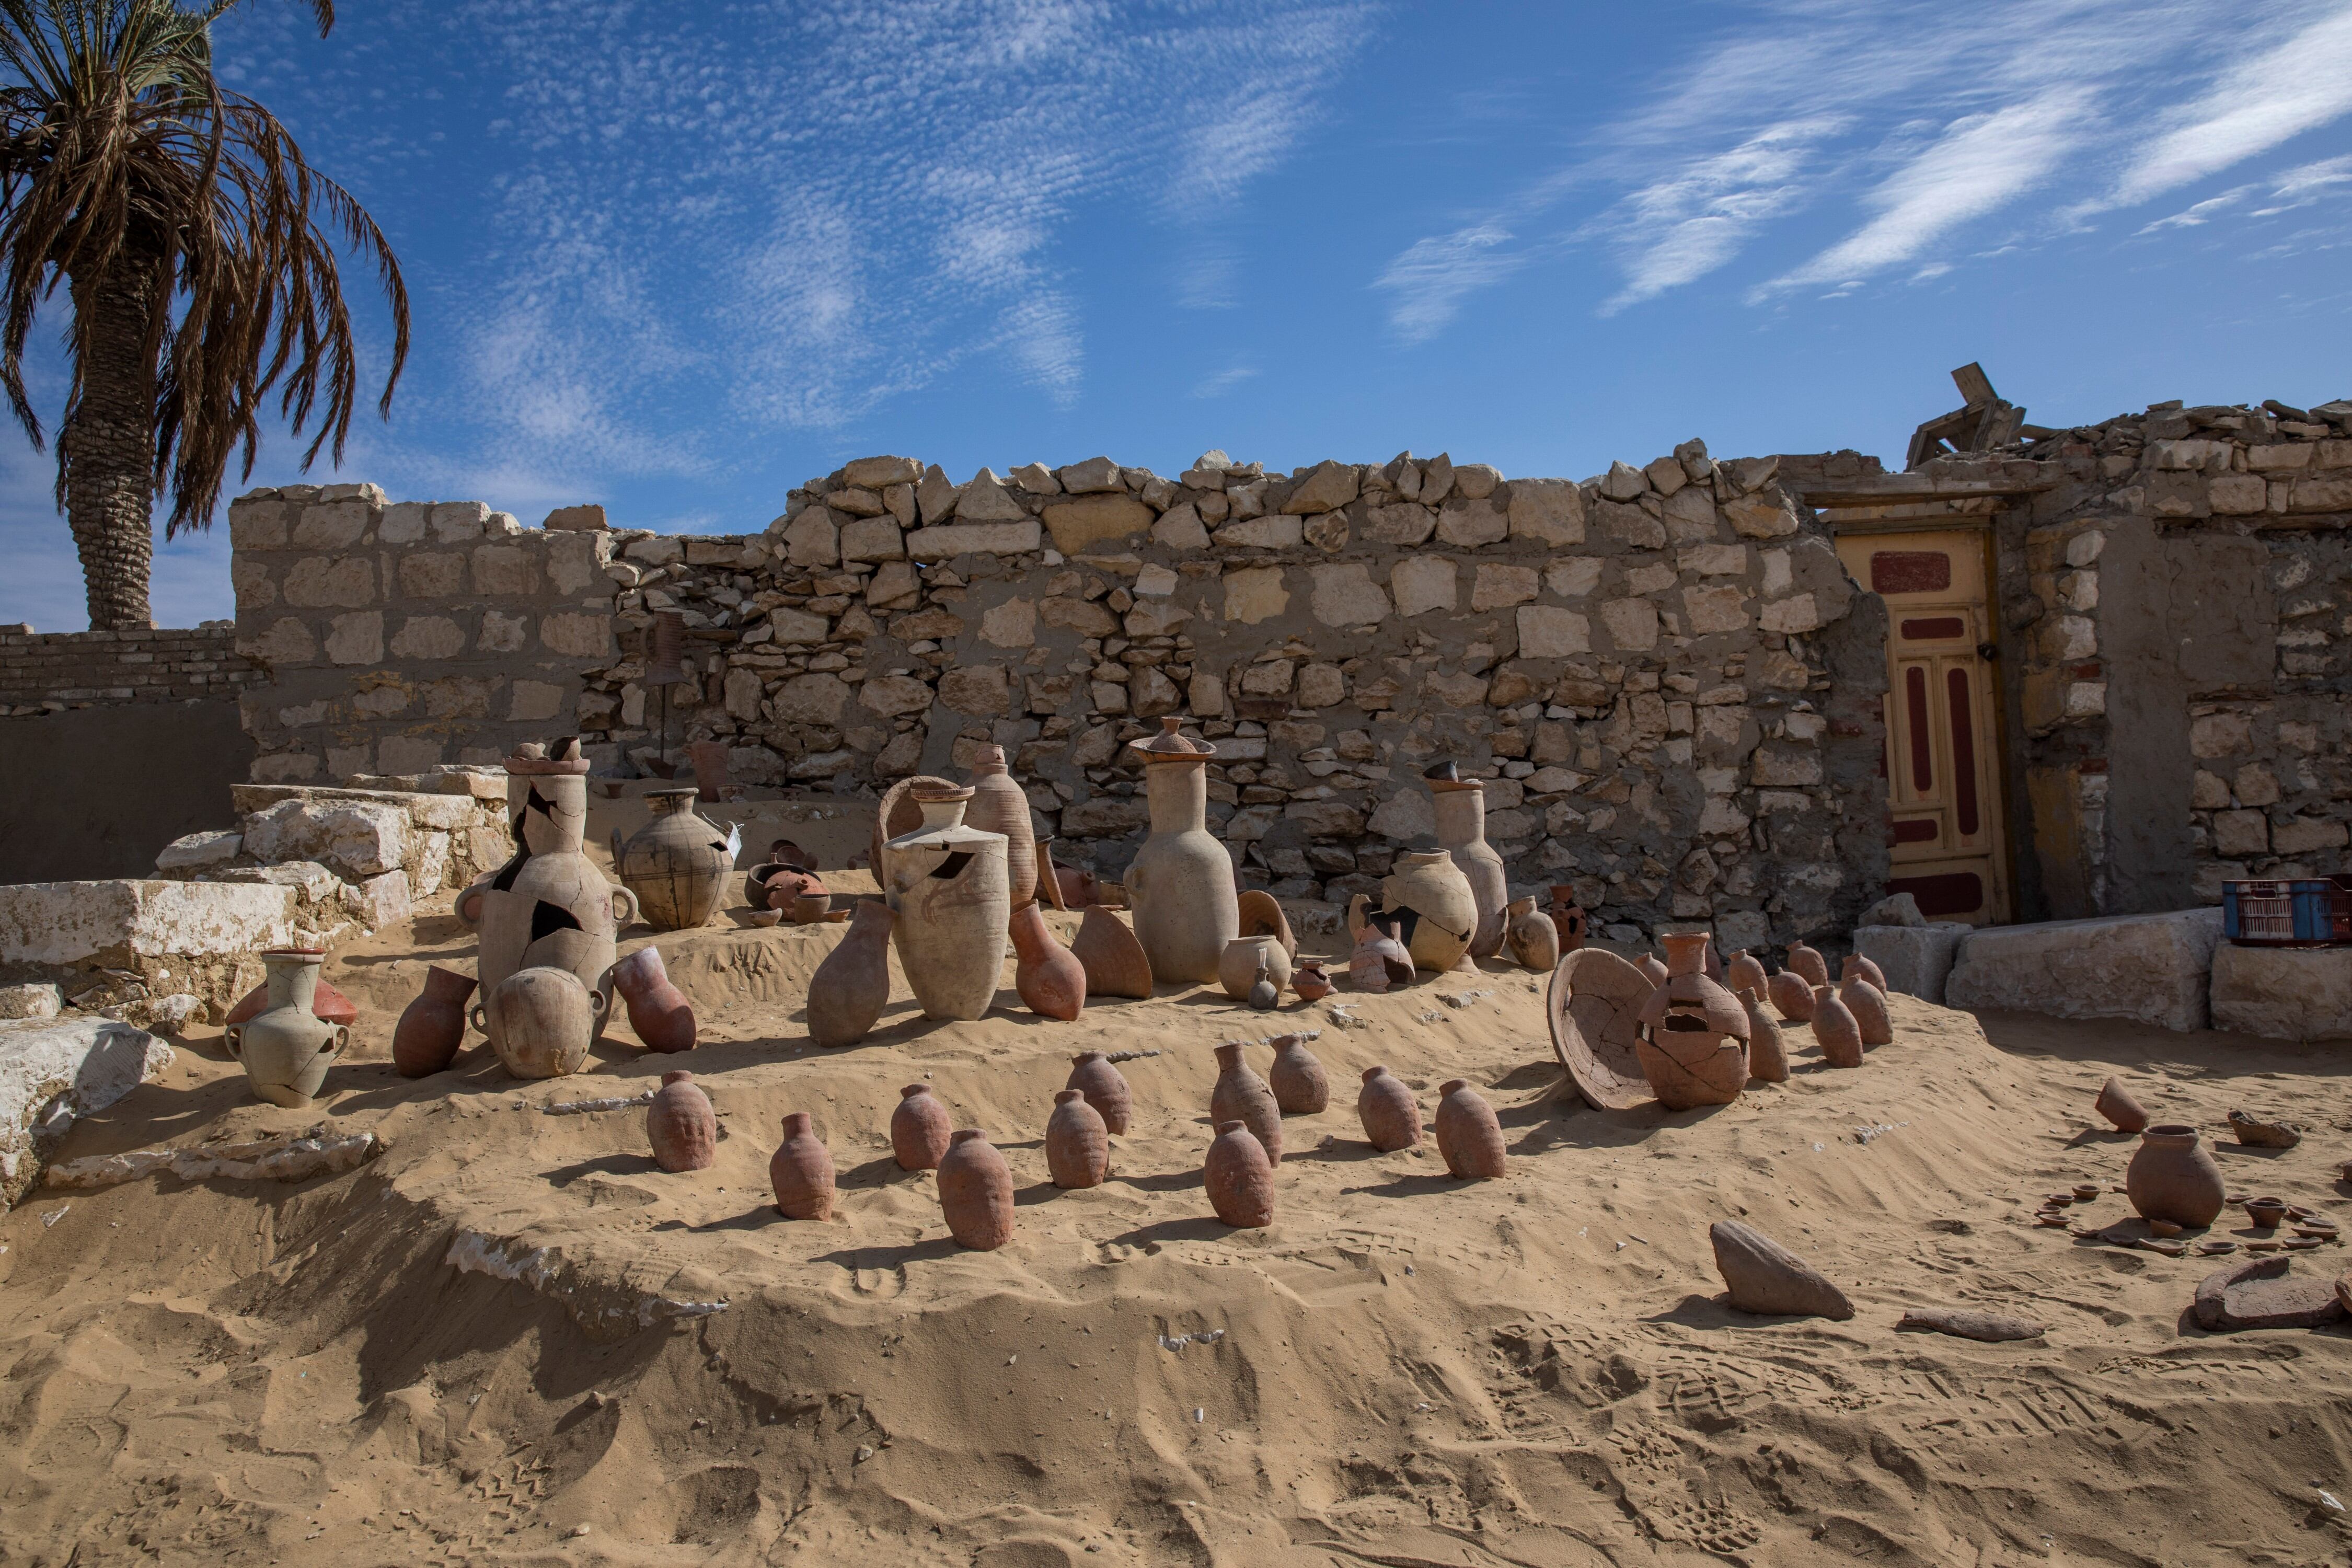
x: 1639, y: 665
x: 48, y: 672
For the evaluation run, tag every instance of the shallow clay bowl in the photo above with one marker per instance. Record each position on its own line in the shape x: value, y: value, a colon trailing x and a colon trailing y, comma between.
x: 2086, y: 1191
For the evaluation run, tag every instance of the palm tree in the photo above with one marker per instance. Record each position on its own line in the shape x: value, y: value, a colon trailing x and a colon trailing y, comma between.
x: 187, y: 230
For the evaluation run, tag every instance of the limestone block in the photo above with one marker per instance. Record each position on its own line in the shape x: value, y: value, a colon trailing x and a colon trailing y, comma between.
x: 792, y: 627
x: 74, y: 922
x: 988, y: 499
x: 577, y: 519
x: 2304, y: 834
x: 55, y: 1070
x: 1404, y: 524
x: 1156, y: 618
x: 1721, y: 560
x: 1347, y: 596
x: 1255, y: 594
x: 1150, y: 694
x: 1546, y: 631
x: 1404, y: 816
x: 357, y: 837
x: 820, y: 699
x: 258, y: 525
x: 976, y: 689
x: 2151, y: 968
x: 964, y: 537
x: 1322, y: 685
x: 427, y: 636
x: 1764, y: 515
x: 40, y: 1000
x: 2283, y: 993
x: 873, y: 539
x: 1632, y: 623
x: 1423, y: 584
x: 331, y: 582
x: 2238, y: 495
x: 1204, y: 694
x: 433, y: 574
x: 505, y: 569
x: 813, y: 538
x: 1262, y: 533
x: 1267, y: 677
x: 503, y: 633
x: 1549, y: 511
x: 1573, y: 578
x: 1623, y: 482
x: 1326, y: 487
x: 2241, y: 833
x: 1498, y: 587
x: 2219, y: 734
x: 338, y: 525
x: 1180, y: 528
x: 1467, y: 524
x: 873, y: 473
x: 1916, y: 959
x: 1798, y: 613
x: 1013, y: 623
x: 576, y: 562
x: 356, y: 637
x: 456, y: 522
x: 377, y: 903
x: 577, y: 635
x: 195, y: 851
x: 937, y: 624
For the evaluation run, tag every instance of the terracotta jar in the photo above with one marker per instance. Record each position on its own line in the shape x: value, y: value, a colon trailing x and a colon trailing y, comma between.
x: 1049, y: 880
x: 1077, y: 1142
x: 1767, y: 1056
x: 1468, y: 1135
x: 1098, y: 1077
x: 775, y: 885
x: 800, y: 1172
x: 1867, y: 1003
x: 2116, y: 1103
x: 1653, y: 971
x: 1791, y: 997
x: 1260, y: 915
x: 976, y: 1192
x: 946, y: 886
x: 541, y: 1021
x: 1437, y: 912
x: 1835, y: 1029
x: 551, y: 888
x: 1244, y: 958
x: 1310, y: 983
x: 286, y: 1048
x: 1240, y: 1095
x: 2174, y: 1177
x: 1050, y: 979
x: 1296, y: 1078
x: 1000, y: 806
x: 1693, y: 1045
x: 1385, y: 1106
x: 1532, y: 938
x: 920, y: 1128
x: 1743, y: 972
x: 1567, y: 918
x: 1380, y: 960
x: 1080, y: 888
x: 1239, y: 1177
x: 681, y: 1126
x: 1461, y: 807
x: 1809, y: 964
x: 852, y: 986
x: 1110, y: 955
x: 1855, y: 963
x: 676, y: 864
x: 432, y: 1028
x: 658, y: 1011
x: 1181, y: 883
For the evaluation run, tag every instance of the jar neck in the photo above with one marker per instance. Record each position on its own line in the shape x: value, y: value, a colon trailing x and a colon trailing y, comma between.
x: 1178, y: 794
x: 1461, y: 815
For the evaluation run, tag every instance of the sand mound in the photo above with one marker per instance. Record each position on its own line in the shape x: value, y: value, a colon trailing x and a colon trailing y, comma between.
x: 511, y: 1326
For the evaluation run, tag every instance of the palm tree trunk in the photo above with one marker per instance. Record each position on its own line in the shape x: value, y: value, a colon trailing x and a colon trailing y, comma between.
x: 109, y: 446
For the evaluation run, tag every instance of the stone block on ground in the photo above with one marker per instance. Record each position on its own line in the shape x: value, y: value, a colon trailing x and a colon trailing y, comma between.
x: 2154, y: 969
x: 1917, y: 959
x: 126, y: 919
x: 52, y: 1071
x: 357, y: 837
x: 2283, y: 993
x: 2265, y: 1293
x: 40, y: 1000
x: 195, y: 851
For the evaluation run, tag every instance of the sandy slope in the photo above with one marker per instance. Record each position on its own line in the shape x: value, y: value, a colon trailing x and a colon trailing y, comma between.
x: 507, y: 1328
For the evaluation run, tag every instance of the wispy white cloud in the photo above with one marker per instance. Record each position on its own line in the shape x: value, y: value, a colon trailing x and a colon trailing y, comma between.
x: 2270, y: 94
x: 1431, y: 278
x: 1223, y: 381
x: 1692, y: 220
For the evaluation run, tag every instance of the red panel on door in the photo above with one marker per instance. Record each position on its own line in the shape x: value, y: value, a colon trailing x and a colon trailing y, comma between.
x: 1910, y: 571
x: 1951, y: 893
x: 1964, y: 753
x: 1941, y: 628
x: 1915, y: 698
x: 1917, y: 830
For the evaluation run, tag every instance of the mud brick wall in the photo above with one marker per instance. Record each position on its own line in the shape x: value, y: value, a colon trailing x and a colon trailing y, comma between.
x: 50, y: 672
x: 2181, y: 600
x: 1664, y: 676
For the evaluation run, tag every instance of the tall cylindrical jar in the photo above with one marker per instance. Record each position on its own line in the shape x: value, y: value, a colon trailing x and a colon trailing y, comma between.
x: 1181, y: 883
x: 999, y: 804
x: 1461, y: 805
x: 946, y: 886
x: 676, y: 864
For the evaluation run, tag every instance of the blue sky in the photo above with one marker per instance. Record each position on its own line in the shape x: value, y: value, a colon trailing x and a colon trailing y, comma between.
x: 678, y: 256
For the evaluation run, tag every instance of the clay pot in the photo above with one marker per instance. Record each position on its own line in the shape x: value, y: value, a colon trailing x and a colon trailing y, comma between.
x: 850, y: 988
x: 2173, y: 1176
x: 2116, y: 1103
x: 1743, y: 973
x: 1855, y: 963
x: 1791, y: 997
x: 1000, y: 806
x: 327, y: 1004
x: 800, y: 1172
x: 1652, y: 970
x: 1567, y: 918
x: 541, y: 1021
x: 1113, y: 960
x: 1049, y: 977
x: 946, y: 886
x: 1468, y: 1136
x: 1239, y: 1176
x: 1386, y: 1107
x: 1809, y: 964
x: 1098, y: 1077
x: 1080, y: 890
x: 1049, y: 881
x: 2266, y: 1214
x: 1310, y: 983
x: 1437, y: 913
x: 676, y: 864
x: 1380, y: 960
x: 658, y: 1011
x: 1461, y: 807
x: 1260, y: 915
x: 286, y: 1048
x: 1532, y: 939
x: 976, y: 1192
x: 1694, y: 1045
x: 432, y: 1028
x: 778, y: 885
x: 810, y: 909
x: 1296, y: 1078
x: 1077, y: 1142
x: 1263, y: 994
x: 1240, y: 1095
x: 1835, y: 1029
x: 681, y: 1126
x: 1768, y: 1058
x: 1245, y: 958
x: 548, y: 808
x: 1181, y: 883
x: 1867, y: 1003
x: 920, y: 1128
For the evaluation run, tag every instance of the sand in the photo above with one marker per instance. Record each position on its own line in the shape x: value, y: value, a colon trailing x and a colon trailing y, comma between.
x: 510, y: 1339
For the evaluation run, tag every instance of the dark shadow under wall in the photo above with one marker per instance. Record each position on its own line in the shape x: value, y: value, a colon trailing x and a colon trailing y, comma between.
x: 98, y: 791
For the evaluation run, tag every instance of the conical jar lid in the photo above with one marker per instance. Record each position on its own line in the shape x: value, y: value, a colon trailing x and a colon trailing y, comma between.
x: 1168, y: 746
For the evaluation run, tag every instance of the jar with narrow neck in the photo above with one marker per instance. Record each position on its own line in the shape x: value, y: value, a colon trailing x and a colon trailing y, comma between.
x: 1461, y: 807
x: 1182, y: 882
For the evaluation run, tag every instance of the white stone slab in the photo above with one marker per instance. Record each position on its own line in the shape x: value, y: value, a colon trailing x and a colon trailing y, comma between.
x: 2284, y: 993
x: 2151, y: 968
x: 71, y: 922
x: 53, y: 1070
x: 1916, y: 959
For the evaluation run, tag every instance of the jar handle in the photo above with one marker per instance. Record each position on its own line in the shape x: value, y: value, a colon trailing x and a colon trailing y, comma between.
x: 625, y: 909
x: 477, y: 1018
x: 337, y: 1041
x: 234, y: 1038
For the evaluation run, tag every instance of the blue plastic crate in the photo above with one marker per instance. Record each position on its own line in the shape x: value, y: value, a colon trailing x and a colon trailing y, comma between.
x: 2303, y: 912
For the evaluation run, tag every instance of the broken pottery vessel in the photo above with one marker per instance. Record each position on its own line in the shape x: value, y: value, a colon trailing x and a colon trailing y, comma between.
x: 852, y: 986
x: 1533, y: 940
x: 2253, y: 1132
x: 1693, y: 1044
x: 2173, y: 1176
x: 1461, y: 807
x: 1077, y: 1142
x: 432, y: 1028
x: 2116, y: 1103
x: 286, y: 1048
x: 676, y: 864
x: 946, y: 886
x: 1380, y: 960
x: 1435, y: 912
x: 1391, y: 1116
x: 541, y: 1021
x: 1260, y: 915
x: 1296, y: 1078
x: 1239, y: 1177
x: 1182, y: 882
x: 1245, y: 958
x: 800, y: 1172
x: 658, y: 1011
x: 1468, y: 1135
x: 1098, y: 1077
x: 1051, y: 981
x: 976, y: 1192
x: 1240, y: 1095
x: 1310, y: 983
x: 681, y: 1126
x: 920, y: 1128
x: 1765, y: 1278
x: 1835, y: 1029
x: 1114, y: 961
x: 1567, y: 918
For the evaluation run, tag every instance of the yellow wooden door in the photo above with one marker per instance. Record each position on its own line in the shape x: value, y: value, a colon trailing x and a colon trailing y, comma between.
x: 1946, y: 843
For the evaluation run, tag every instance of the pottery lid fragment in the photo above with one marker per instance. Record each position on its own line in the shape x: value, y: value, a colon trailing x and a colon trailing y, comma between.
x: 1169, y: 746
